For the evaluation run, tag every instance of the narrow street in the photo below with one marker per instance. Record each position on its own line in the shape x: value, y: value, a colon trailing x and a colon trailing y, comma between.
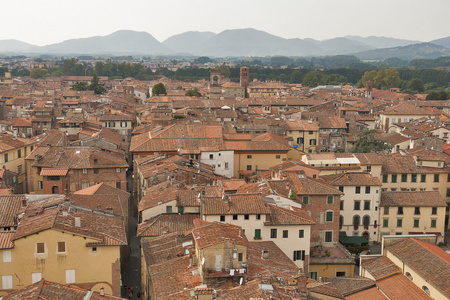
x: 131, y: 275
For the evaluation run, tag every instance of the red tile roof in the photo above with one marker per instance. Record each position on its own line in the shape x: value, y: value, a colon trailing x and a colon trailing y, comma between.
x: 415, y: 198
x: 399, y: 287
x: 381, y: 267
x: 6, y: 240
x: 53, y: 172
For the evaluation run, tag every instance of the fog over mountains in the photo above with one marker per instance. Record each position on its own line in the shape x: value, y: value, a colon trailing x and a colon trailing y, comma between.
x: 234, y: 43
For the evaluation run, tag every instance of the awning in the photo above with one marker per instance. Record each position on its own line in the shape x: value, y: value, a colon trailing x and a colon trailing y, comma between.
x: 344, y: 239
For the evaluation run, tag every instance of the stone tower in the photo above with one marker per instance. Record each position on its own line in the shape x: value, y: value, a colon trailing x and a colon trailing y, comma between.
x: 215, y: 84
x: 244, y: 79
x: 369, y: 89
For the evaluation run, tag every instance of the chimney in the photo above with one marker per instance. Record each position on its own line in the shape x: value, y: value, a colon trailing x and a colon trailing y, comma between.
x: 77, y: 222
x: 265, y: 254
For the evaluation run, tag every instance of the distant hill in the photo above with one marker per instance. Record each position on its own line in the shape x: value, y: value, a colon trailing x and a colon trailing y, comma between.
x: 415, y: 51
x: 122, y: 42
x: 15, y: 46
x: 445, y: 42
x: 380, y: 42
x: 188, y: 42
x: 235, y: 43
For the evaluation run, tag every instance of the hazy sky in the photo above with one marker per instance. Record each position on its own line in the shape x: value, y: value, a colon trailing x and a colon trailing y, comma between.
x: 43, y: 22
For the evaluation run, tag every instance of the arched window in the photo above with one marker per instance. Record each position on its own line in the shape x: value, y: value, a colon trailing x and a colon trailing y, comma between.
x: 426, y: 290
x: 366, y: 222
x: 356, y: 221
x: 407, y: 274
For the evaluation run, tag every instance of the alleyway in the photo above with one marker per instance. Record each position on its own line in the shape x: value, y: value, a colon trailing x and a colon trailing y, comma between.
x: 131, y: 276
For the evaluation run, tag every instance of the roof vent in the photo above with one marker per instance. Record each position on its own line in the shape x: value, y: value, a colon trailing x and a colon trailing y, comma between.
x: 265, y: 254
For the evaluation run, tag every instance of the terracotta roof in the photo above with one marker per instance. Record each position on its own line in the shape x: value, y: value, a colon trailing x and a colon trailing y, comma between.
x: 381, y: 267
x: 349, y: 285
x: 45, y: 289
x: 215, y: 233
x: 189, y: 198
x: 6, y: 240
x: 369, y: 294
x: 326, y: 288
x: 157, y: 195
x: 167, y: 223
x: 235, y: 204
x: 429, y: 261
x: 352, y: 179
x: 406, y: 109
x: 10, y: 205
x: 232, y: 184
x: 255, y: 188
x: 303, y: 185
x: 284, y: 216
x: 396, y: 164
x: 53, y: 172
x: 303, y: 125
x: 399, y: 287
x: 415, y: 198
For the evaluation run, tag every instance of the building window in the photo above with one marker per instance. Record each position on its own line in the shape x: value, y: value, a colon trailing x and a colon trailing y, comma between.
x: 6, y: 157
x: 305, y: 200
x: 423, y: 177
x: 19, y: 153
x: 169, y: 209
x: 61, y: 247
x: 404, y: 177
x: 211, y: 156
x: 95, y: 171
x: 40, y: 248
x: 434, y: 210
x: 94, y: 249
x: 84, y: 171
x: 448, y: 193
x: 385, y: 178
x: 328, y: 236
x: 358, y: 190
x: 433, y: 223
x: 312, y: 142
x: 112, y: 124
x: 436, y: 177
x: 7, y: 282
x: 299, y: 255
x: 123, y: 124
x: 222, y: 218
x: 249, y: 156
x: 246, y: 217
x: 313, y: 275
x: 413, y: 177
x: 6, y: 256
x: 385, y: 223
x: 426, y: 290
x: 117, y: 184
x: 417, y: 210
x: 399, y: 222
x: 277, y: 156
x: 367, y: 189
x: 301, y: 233
x: 356, y: 221
x: 330, y: 199
x: 118, y: 170
x: 36, y: 277
x: 257, y: 233
x: 249, y: 167
x: 19, y: 169
x: 226, y: 166
x: 341, y: 188
x: 240, y: 257
x: 70, y: 276
x: 235, y: 217
x: 367, y: 205
x: 258, y: 217
x: 273, y: 233
x: 341, y: 207
x: 400, y: 210
x: 357, y: 205
x: 84, y: 185
x: 285, y: 234
x: 329, y: 216
x: 394, y: 178
x: 416, y: 223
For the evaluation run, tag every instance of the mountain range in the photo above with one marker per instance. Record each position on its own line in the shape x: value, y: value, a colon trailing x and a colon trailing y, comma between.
x: 234, y: 43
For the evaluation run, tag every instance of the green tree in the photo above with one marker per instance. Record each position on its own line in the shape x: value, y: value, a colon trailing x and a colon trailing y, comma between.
x: 95, y: 86
x: 311, y: 79
x: 37, y: 73
x: 368, y: 143
x: 416, y: 84
x: 296, y: 77
x: 80, y: 86
x: 224, y: 70
x: 193, y: 93
x: 159, y: 89
x: 437, y: 95
x: 368, y: 75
